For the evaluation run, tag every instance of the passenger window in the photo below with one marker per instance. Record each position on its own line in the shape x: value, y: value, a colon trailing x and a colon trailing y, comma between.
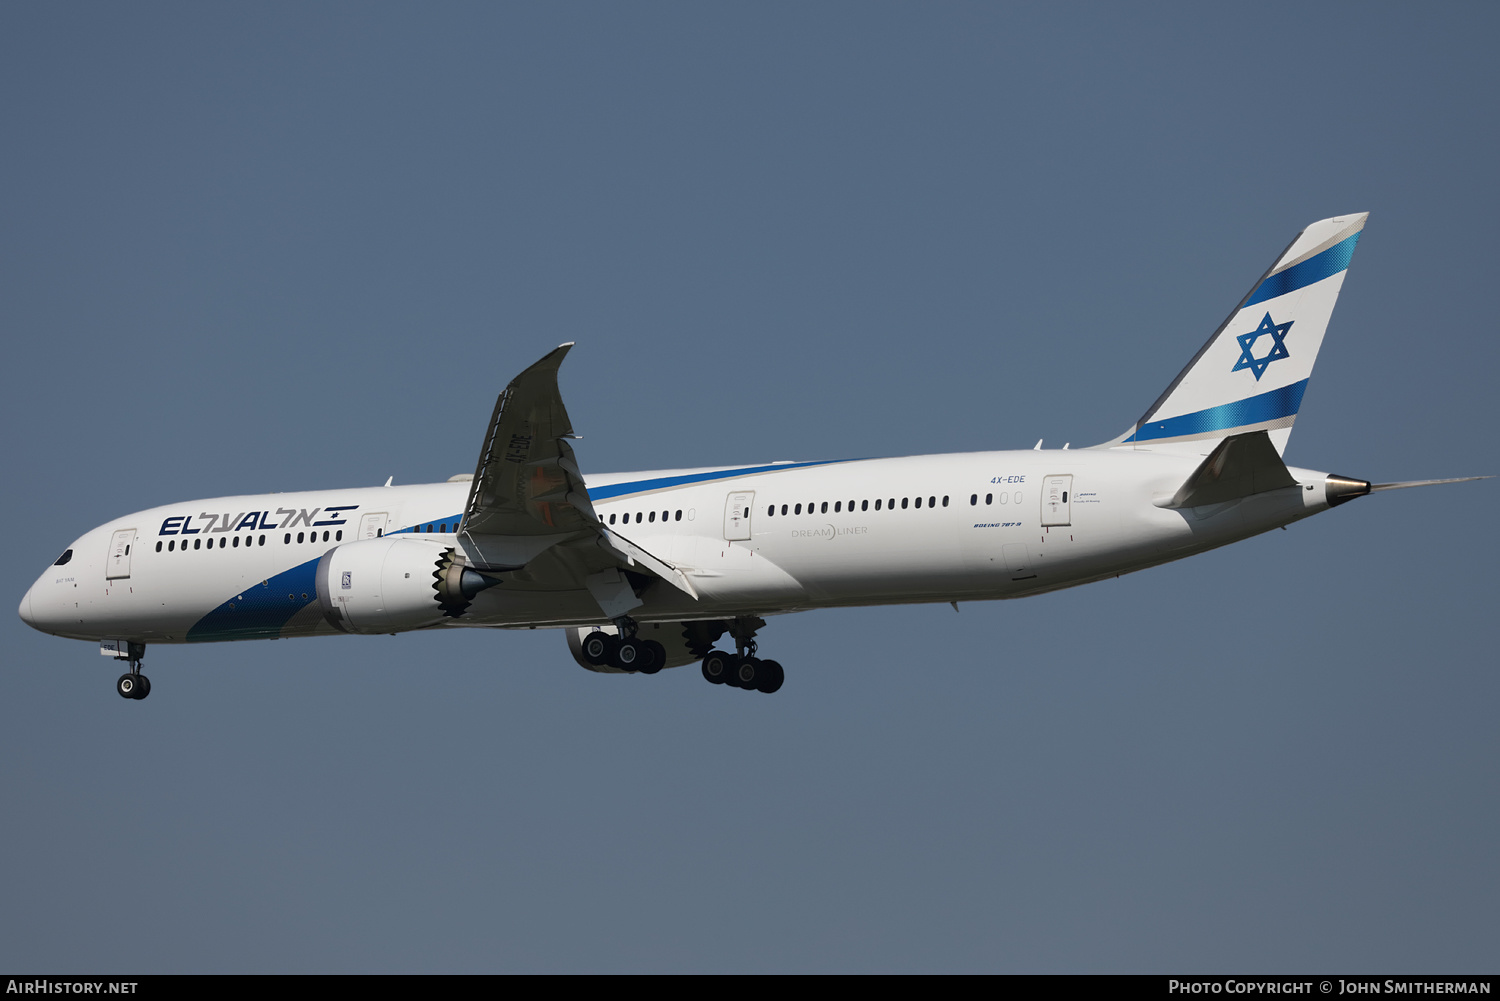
x: 798, y: 509
x: 679, y: 515
x: 769, y: 511
x: 825, y: 507
x: 337, y: 536
x: 325, y: 535
x: 919, y: 502
x: 973, y: 499
x: 865, y: 505
x: 299, y: 538
x: 653, y: 517
x: 170, y: 545
x: 783, y: 509
x: 837, y: 505
x: 197, y: 543
x: 611, y: 519
x: 158, y: 549
x: 877, y: 503
x: 932, y: 502
x: 988, y: 498
x: 891, y: 504
x: 287, y: 540
x: 903, y: 503
x: 638, y: 517
x: 945, y: 500
x: 236, y: 542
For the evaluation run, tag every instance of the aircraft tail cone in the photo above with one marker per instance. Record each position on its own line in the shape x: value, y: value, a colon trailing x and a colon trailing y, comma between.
x: 1342, y: 489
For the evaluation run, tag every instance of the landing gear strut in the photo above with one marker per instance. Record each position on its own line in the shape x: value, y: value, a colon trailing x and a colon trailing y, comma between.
x: 624, y: 651
x: 133, y: 684
x: 742, y: 669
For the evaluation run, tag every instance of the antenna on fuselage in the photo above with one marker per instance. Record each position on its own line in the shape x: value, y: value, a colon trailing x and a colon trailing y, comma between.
x: 1038, y: 446
x: 388, y: 480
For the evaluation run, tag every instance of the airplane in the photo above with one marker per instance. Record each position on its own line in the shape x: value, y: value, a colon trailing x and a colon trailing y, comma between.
x: 650, y: 570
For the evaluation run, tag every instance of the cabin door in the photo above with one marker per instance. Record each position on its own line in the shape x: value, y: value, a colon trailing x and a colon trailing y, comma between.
x: 372, y: 525
x: 737, y: 515
x: 118, y: 565
x: 1057, y: 492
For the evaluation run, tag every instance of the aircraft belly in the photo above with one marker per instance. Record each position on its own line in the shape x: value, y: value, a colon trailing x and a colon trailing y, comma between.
x: 837, y: 564
x: 733, y: 574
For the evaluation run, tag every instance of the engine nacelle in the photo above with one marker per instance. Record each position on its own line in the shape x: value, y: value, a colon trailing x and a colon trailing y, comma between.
x: 383, y: 585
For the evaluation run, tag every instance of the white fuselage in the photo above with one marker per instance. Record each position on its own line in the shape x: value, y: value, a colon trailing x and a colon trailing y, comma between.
x: 929, y: 528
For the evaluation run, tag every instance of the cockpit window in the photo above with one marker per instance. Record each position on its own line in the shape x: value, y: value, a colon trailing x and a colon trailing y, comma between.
x: 65, y: 557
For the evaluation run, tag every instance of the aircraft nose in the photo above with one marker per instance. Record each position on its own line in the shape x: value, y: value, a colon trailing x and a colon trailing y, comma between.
x: 26, y: 615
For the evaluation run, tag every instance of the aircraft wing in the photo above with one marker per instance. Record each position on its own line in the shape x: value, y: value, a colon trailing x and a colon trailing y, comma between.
x: 528, y: 503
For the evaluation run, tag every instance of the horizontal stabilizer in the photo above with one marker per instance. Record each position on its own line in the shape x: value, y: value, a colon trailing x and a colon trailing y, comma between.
x: 1241, y: 465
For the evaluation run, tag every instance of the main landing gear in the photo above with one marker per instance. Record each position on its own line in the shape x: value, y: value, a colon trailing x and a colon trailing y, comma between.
x: 624, y: 652
x: 742, y: 669
x: 133, y: 684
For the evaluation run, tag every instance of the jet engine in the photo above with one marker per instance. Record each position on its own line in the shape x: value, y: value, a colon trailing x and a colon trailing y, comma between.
x: 394, y: 583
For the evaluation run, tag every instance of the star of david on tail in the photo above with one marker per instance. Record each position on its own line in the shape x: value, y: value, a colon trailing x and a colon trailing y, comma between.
x: 1210, y: 399
x: 1247, y: 346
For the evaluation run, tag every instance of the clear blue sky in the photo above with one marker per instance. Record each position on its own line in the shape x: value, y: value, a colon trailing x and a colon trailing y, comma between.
x: 282, y: 246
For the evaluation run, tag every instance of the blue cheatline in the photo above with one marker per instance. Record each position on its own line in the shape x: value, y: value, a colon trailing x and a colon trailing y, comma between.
x: 1314, y: 269
x: 640, y: 486
x: 1277, y: 403
x: 262, y: 608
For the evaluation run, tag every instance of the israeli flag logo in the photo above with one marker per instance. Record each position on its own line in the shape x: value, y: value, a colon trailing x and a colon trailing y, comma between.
x: 348, y: 580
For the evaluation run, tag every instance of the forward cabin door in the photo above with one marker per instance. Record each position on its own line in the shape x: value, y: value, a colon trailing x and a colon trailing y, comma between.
x: 117, y: 567
x: 737, y: 515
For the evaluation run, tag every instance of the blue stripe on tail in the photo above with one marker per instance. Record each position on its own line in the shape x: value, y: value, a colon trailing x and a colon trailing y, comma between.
x: 1317, y: 267
x: 1283, y: 402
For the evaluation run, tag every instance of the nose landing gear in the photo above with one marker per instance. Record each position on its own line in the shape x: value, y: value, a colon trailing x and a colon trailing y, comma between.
x: 133, y: 684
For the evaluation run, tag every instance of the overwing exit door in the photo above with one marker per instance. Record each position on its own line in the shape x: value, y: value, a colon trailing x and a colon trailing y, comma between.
x: 737, y: 515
